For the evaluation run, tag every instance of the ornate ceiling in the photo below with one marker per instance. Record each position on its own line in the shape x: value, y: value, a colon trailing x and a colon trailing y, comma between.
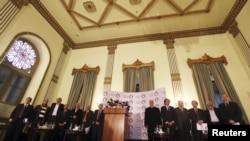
x: 91, y: 23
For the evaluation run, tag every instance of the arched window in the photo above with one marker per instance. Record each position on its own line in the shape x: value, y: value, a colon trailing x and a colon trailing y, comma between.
x: 16, y: 70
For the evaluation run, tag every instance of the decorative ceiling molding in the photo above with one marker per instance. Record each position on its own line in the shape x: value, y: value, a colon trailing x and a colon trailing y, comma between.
x: 133, y: 2
x: 139, y: 17
x: 51, y: 20
x: 132, y: 16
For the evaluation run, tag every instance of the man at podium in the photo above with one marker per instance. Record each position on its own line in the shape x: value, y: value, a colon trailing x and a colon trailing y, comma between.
x: 97, y: 127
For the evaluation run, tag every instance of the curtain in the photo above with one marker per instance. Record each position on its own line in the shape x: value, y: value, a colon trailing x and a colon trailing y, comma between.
x: 225, y: 85
x: 145, y: 79
x: 144, y: 76
x: 88, y: 88
x: 82, y: 88
x: 75, y: 89
x: 203, y: 83
x: 130, y: 78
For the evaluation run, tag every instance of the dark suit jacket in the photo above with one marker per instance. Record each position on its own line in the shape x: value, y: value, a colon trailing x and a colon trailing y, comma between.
x: 101, y: 117
x: 89, y: 118
x: 167, y: 115
x: 59, y: 112
x: 208, y: 117
x: 152, y: 118
x: 194, y: 117
x: 233, y: 112
x: 182, y: 119
x: 65, y: 118
x: 27, y: 113
x: 78, y: 119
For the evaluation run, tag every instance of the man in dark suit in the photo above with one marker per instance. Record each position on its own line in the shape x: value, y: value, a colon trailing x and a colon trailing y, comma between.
x: 212, y: 115
x: 55, y: 113
x: 75, y: 120
x: 20, y: 116
x: 87, y: 119
x: 196, y: 116
x: 56, y: 110
x: 230, y: 111
x: 167, y: 115
x: 63, y: 123
x: 152, y: 119
x: 76, y: 115
x: 97, y: 127
x: 182, y: 123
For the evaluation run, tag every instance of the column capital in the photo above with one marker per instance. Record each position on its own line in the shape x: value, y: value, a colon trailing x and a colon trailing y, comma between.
x: 233, y: 29
x: 66, y: 47
x: 169, y: 43
x: 20, y: 3
x: 112, y: 48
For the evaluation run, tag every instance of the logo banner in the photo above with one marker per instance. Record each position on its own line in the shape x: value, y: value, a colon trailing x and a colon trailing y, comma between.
x: 138, y: 101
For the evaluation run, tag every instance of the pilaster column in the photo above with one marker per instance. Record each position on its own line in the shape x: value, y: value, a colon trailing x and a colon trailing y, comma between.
x: 174, y: 70
x: 240, y: 40
x: 8, y: 12
x: 109, y: 68
x: 57, y: 71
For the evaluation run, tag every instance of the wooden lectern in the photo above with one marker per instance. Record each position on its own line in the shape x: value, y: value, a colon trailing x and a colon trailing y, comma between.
x: 115, y: 124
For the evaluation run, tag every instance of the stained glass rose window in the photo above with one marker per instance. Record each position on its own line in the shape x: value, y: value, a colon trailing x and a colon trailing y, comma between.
x: 21, y: 55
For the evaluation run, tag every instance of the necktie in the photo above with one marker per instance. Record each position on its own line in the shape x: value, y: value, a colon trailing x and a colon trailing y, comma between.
x: 227, y: 104
x: 196, y: 111
x: 98, y: 115
x: 85, y: 117
x: 21, y: 112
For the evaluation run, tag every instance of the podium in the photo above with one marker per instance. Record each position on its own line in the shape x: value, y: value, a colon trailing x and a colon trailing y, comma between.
x: 115, y: 124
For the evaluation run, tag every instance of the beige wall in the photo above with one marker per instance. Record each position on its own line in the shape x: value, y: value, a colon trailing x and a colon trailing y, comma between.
x: 194, y: 48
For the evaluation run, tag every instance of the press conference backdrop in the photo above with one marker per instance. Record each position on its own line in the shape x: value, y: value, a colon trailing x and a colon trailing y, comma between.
x: 138, y: 101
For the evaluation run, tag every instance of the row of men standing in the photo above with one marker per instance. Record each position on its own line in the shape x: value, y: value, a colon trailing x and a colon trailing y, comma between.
x: 25, y: 118
x: 182, y: 122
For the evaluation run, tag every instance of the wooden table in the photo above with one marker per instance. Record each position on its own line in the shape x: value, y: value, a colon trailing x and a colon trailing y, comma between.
x: 204, y: 137
x: 44, y: 133
x: 161, y: 136
x: 78, y: 134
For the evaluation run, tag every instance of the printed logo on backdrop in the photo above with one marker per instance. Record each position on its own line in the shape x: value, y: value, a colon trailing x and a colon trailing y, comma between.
x: 117, y: 96
x: 138, y: 102
x: 105, y: 93
x: 131, y: 96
